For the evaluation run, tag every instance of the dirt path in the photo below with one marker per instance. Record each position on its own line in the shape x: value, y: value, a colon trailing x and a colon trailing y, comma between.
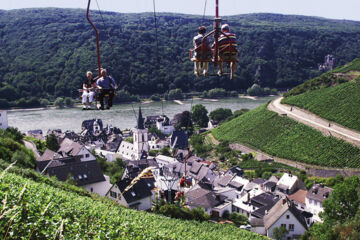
x: 327, y: 127
x: 32, y: 147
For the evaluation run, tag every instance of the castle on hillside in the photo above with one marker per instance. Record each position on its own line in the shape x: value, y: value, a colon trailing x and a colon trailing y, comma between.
x: 329, y: 63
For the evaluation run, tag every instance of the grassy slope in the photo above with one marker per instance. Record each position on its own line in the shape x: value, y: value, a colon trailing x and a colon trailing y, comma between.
x: 339, y: 103
x: 283, y: 137
x: 83, y: 215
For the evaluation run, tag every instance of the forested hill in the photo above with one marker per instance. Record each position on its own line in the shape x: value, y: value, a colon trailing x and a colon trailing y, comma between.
x: 46, y: 52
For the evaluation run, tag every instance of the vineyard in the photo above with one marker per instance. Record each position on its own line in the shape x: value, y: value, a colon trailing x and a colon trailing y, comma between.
x: 32, y: 210
x: 340, y: 103
x: 285, y: 138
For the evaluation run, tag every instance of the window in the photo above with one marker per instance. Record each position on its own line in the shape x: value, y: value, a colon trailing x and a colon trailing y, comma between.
x: 85, y: 176
x: 283, y: 225
x: 112, y: 194
x: 87, y: 155
x: 91, y: 189
x: 291, y: 227
x: 287, y: 216
x: 133, y: 194
x: 80, y: 177
x: 143, y: 139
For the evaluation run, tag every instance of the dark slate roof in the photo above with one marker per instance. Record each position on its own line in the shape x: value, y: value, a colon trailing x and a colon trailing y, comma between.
x: 257, y: 222
x: 182, y: 139
x: 88, y: 124
x: 139, y: 191
x: 35, y: 132
x: 259, y: 181
x: 270, y: 184
x: 236, y: 171
x: 48, y: 155
x: 83, y: 172
x: 41, y: 164
x: 279, y: 209
x: 264, y: 202
x: 195, y: 168
x: 140, y: 120
x: 319, y: 193
x: 235, y: 184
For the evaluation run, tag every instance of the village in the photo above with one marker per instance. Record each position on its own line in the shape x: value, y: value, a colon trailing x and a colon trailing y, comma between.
x: 176, y: 176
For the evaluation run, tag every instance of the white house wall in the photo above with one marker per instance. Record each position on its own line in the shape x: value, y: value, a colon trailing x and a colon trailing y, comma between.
x: 100, y: 188
x: 315, y: 207
x: 85, y: 152
x: 298, y: 227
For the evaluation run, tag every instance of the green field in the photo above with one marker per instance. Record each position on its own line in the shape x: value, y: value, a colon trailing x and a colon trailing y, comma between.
x: 32, y: 210
x: 340, y: 103
x: 285, y: 138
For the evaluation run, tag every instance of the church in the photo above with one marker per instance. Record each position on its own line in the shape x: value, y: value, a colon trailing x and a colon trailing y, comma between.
x: 134, y: 151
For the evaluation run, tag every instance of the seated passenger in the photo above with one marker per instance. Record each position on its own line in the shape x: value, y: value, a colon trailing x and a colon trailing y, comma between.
x: 198, y: 66
x: 88, y: 94
x: 107, y: 86
x: 227, y: 49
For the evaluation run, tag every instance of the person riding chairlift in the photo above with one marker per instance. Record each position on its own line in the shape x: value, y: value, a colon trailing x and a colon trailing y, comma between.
x: 88, y: 94
x: 198, y: 64
x: 107, y: 86
x: 227, y: 52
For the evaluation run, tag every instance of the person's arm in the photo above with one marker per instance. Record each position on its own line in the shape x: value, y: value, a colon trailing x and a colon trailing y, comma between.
x: 113, y: 83
x: 84, y: 86
x: 98, y: 84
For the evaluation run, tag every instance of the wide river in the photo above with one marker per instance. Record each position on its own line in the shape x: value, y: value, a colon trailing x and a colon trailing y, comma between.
x: 121, y: 116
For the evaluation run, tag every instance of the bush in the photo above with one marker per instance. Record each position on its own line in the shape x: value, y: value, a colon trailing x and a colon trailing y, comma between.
x: 4, y: 104
x: 155, y: 98
x: 44, y: 102
x: 59, y: 102
x: 256, y: 90
x: 68, y: 102
x: 238, y: 219
x: 124, y: 96
x: 220, y: 114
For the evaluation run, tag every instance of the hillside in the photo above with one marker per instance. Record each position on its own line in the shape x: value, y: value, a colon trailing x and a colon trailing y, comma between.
x: 46, y: 52
x: 285, y: 138
x: 338, y: 101
x: 39, y: 211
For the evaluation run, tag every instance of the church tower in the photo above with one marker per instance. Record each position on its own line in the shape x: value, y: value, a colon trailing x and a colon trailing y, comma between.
x: 140, y: 135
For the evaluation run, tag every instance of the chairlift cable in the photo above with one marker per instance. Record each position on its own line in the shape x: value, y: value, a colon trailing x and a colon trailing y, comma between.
x: 105, y: 27
x: 203, y: 20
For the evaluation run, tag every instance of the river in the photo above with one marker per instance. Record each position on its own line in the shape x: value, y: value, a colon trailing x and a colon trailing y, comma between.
x: 121, y: 116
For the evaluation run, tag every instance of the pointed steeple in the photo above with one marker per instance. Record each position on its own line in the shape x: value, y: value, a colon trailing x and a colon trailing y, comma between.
x: 140, y: 121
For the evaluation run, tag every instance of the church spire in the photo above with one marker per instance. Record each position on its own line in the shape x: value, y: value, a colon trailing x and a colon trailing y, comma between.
x: 140, y: 121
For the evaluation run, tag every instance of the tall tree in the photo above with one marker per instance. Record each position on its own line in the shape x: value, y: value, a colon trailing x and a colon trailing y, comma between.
x: 199, y: 115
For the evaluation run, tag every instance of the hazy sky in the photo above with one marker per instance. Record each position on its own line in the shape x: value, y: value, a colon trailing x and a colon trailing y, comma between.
x: 344, y: 9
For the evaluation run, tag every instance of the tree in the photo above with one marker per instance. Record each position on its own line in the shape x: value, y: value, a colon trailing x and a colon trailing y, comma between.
x: 52, y: 142
x: 175, y: 94
x: 68, y: 102
x: 220, y: 114
x: 280, y: 232
x: 199, y: 115
x: 238, y: 219
x: 165, y: 151
x: 183, y: 120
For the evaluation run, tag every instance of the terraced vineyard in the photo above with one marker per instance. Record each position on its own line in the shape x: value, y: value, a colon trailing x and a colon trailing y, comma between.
x: 286, y: 138
x: 32, y: 210
x: 340, y: 103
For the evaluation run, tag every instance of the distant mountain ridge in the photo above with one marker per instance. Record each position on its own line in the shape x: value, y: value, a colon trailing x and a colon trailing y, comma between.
x: 47, y: 51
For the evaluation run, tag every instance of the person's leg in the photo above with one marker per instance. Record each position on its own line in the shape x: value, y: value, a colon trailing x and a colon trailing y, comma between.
x: 101, y: 99
x: 232, y: 67
x: 84, y: 98
x: 205, y: 68
x: 111, y: 95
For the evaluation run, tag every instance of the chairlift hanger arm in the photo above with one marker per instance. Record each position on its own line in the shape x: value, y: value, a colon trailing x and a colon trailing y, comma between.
x: 97, y: 38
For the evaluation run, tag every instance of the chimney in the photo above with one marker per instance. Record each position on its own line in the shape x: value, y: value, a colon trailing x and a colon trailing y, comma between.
x: 283, y: 201
x: 266, y: 212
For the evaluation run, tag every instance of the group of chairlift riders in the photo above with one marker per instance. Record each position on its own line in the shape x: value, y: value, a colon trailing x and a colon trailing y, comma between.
x: 203, y: 53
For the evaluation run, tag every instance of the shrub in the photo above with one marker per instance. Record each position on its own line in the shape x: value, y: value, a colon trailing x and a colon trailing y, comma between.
x: 59, y: 102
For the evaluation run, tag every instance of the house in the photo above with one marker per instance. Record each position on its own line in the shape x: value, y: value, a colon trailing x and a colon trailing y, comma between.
x: 299, y: 199
x: 3, y: 119
x: 288, y: 184
x: 284, y: 213
x: 242, y: 203
x: 201, y: 195
x: 86, y: 174
x: 150, y: 121
x: 156, y: 143
x: 134, y: 168
x: 134, y: 151
x: 236, y: 171
x: 262, y: 203
x: 71, y: 148
x: 93, y: 126
x: 163, y: 160
x: 270, y: 184
x: 138, y: 196
x: 212, y: 124
x: 163, y: 124
x: 199, y: 171
x: 314, y: 198
x: 179, y: 139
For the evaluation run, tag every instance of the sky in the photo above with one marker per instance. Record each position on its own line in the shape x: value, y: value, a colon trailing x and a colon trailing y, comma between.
x: 335, y: 9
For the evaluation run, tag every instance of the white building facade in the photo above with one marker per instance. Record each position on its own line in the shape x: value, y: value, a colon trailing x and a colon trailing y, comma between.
x: 3, y: 119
